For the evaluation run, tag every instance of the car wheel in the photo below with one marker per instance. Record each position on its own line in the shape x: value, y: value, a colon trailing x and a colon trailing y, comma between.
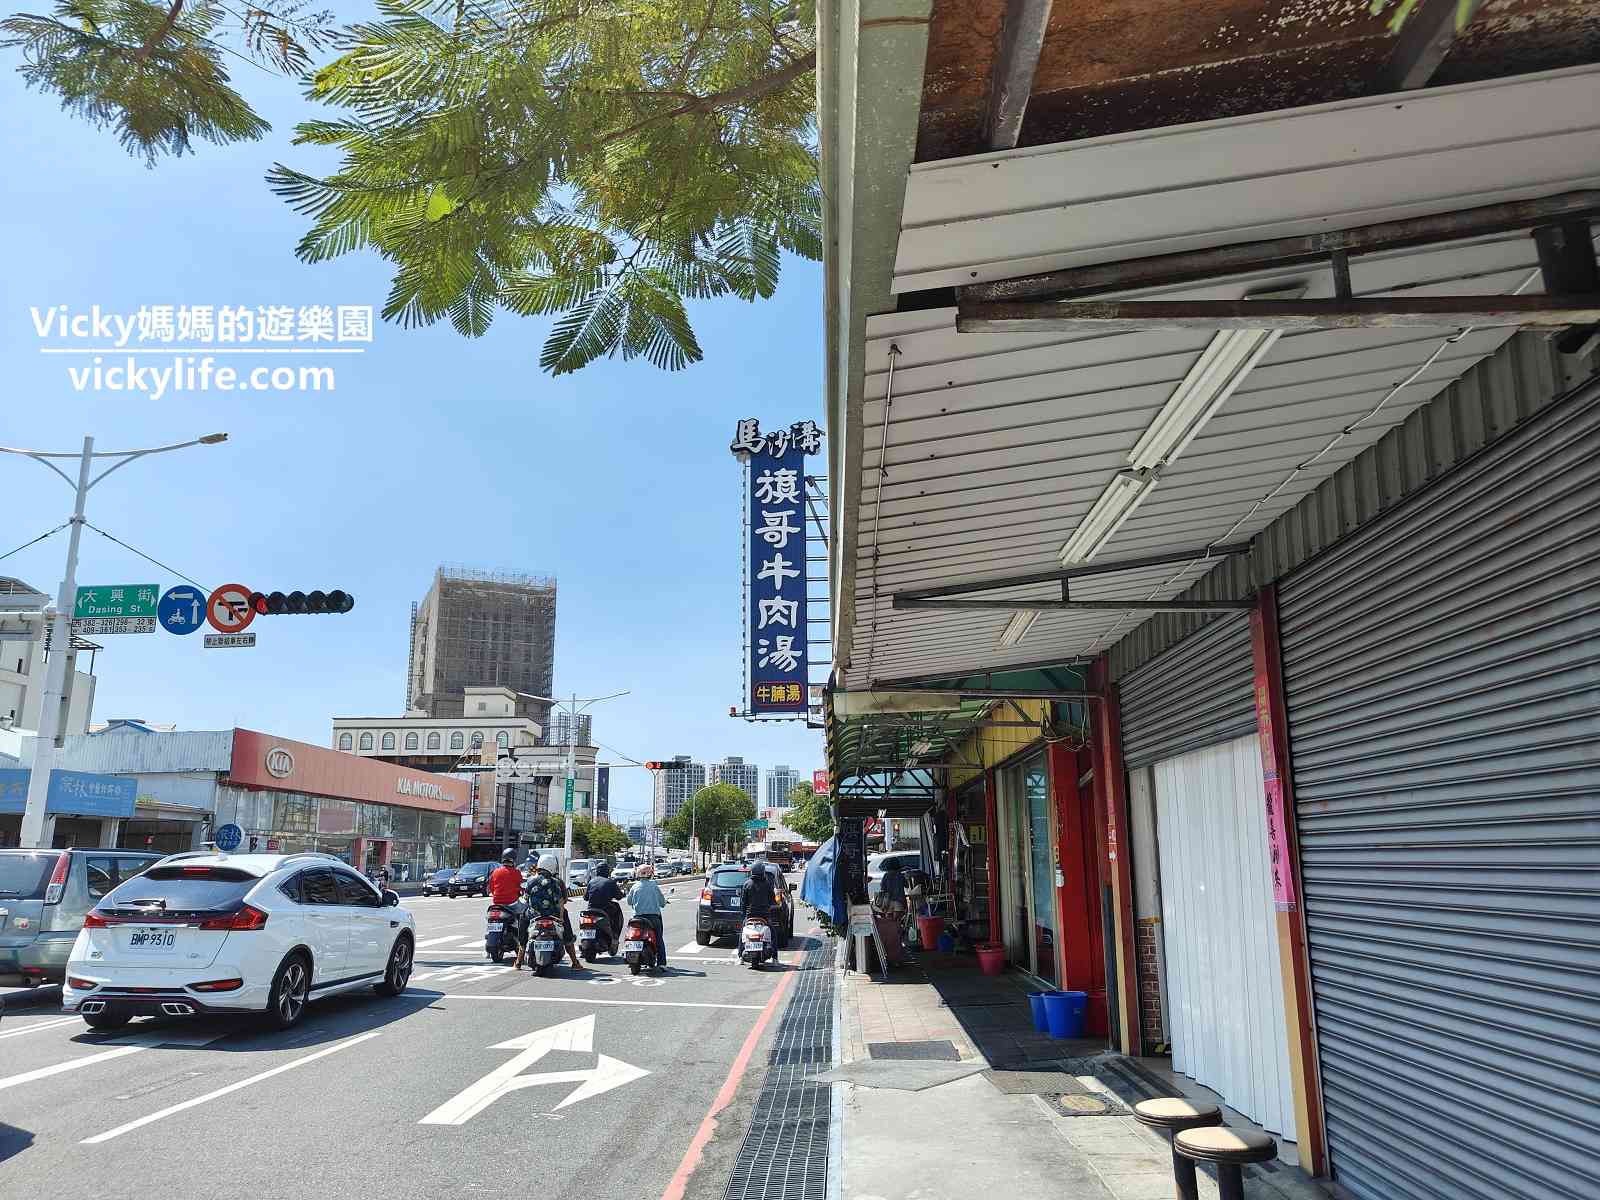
x: 702, y: 939
x: 399, y: 971
x: 291, y: 988
x: 106, y: 1020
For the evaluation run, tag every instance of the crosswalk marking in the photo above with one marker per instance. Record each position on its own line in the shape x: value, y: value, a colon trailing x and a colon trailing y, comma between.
x: 439, y: 941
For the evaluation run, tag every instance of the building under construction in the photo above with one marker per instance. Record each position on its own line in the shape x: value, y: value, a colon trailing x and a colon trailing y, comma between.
x: 482, y: 627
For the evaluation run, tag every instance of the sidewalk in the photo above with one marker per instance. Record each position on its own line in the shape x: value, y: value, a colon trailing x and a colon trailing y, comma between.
x: 947, y: 1091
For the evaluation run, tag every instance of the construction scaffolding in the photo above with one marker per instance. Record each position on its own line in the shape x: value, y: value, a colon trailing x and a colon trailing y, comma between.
x: 482, y: 628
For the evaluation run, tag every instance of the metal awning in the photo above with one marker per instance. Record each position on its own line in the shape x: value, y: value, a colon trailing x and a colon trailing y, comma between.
x: 992, y: 448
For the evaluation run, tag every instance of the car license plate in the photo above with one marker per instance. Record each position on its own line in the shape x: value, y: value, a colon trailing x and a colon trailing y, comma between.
x: 152, y: 939
x: 542, y: 947
x: 632, y: 946
x: 586, y: 935
x: 496, y: 926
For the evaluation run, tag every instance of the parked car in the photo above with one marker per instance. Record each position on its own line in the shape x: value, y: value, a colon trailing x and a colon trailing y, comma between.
x: 578, y: 873
x: 625, y: 869
x: 471, y: 880
x: 718, y: 914
x: 435, y: 884
x: 877, y: 864
x: 44, y: 896
x: 205, y: 933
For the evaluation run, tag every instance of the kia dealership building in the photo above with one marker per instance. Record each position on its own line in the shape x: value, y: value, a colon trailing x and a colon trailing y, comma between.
x: 285, y: 795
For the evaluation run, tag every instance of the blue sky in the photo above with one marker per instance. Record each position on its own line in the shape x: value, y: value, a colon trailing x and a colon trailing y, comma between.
x: 433, y: 449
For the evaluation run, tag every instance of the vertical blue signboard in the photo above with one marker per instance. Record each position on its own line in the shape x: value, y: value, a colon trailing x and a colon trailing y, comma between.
x: 776, y: 485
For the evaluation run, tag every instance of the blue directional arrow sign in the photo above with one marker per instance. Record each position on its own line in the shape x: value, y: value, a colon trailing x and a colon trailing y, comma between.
x: 182, y: 609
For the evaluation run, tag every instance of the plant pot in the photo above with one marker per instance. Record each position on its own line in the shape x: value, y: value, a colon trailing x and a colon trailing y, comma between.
x: 928, y: 931
x: 991, y: 959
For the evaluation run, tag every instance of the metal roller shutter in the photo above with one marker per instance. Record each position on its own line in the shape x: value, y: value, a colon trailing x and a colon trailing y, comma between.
x: 1442, y: 671
x: 1198, y: 693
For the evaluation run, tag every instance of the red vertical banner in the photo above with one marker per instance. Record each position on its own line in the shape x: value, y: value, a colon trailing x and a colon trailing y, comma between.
x: 992, y: 836
x: 1269, y: 729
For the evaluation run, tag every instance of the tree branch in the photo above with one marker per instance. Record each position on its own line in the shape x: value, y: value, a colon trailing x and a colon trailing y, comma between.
x: 160, y: 35
x: 754, y: 90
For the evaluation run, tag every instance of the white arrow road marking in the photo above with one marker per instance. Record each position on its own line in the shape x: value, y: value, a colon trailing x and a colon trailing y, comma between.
x: 224, y: 1091
x: 122, y: 1046
x: 576, y: 1035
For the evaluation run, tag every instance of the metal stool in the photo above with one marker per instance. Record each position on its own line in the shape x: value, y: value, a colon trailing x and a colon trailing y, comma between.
x: 1172, y: 1115
x: 1229, y: 1149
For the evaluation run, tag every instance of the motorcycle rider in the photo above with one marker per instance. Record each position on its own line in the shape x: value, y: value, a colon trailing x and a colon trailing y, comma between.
x: 647, y: 900
x: 505, y: 889
x: 757, y: 898
x: 547, y: 897
x: 603, y: 893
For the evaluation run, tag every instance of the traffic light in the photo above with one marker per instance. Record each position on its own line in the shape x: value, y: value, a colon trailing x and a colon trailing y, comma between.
x: 272, y: 604
x: 666, y: 766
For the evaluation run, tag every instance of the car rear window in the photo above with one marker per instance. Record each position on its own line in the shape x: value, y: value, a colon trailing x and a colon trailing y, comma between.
x: 476, y: 869
x: 23, y: 874
x: 182, y: 889
x: 580, y: 862
x: 727, y: 879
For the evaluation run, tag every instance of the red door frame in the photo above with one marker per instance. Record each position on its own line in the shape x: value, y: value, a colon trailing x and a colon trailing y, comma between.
x: 1081, y: 947
x: 992, y: 842
x: 1116, y: 848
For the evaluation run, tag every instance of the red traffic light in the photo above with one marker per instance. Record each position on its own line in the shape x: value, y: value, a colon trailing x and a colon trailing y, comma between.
x: 666, y: 766
x: 279, y: 603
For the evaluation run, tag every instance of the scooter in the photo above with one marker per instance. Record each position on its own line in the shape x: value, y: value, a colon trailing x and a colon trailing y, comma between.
x: 500, y: 932
x: 544, y: 944
x: 595, y: 935
x: 639, y: 946
x: 756, y: 943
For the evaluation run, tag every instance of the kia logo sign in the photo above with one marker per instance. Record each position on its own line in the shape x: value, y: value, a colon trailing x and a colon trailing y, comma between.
x: 280, y: 763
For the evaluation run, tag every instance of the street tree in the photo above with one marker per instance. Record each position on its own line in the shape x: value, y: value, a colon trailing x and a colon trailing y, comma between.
x: 717, y: 812
x: 600, y: 162
x: 606, y: 839
x: 811, y: 815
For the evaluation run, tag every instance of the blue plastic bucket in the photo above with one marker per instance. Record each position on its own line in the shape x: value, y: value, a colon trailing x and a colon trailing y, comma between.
x: 1040, y: 1018
x: 947, y: 943
x: 1064, y: 1013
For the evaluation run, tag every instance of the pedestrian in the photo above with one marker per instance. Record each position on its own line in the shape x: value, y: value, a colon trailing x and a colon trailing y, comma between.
x: 547, y: 897
x: 647, y: 901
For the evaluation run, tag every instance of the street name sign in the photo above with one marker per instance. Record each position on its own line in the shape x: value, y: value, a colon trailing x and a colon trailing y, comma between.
x: 182, y: 609
x: 758, y: 823
x: 101, y: 626
x: 568, y: 806
x: 116, y: 600
x: 230, y: 641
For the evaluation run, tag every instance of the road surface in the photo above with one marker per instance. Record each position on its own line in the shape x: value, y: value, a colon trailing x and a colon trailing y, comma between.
x: 477, y: 1080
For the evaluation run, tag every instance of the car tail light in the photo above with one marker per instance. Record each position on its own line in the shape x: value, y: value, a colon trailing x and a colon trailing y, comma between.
x: 705, y: 895
x: 95, y: 921
x: 82, y: 985
x: 248, y: 917
x: 58, y: 879
x: 217, y: 985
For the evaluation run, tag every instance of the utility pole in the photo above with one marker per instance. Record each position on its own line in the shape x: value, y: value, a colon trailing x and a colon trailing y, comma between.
x: 574, y: 706
x: 57, y: 684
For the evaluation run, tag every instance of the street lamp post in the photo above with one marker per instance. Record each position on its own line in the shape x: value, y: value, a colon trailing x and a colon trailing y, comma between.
x: 574, y: 706
x: 56, y: 684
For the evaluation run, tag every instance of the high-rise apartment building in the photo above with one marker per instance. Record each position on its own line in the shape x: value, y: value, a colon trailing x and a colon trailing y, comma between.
x: 560, y: 729
x: 781, y: 781
x: 673, y: 788
x: 741, y: 774
x: 481, y: 628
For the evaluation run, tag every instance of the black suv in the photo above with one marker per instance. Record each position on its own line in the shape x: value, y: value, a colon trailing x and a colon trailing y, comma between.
x: 471, y: 880
x: 719, y: 915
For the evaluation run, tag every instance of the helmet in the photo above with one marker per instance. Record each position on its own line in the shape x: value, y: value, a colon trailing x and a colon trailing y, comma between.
x: 647, y: 871
x: 603, y: 869
x: 550, y: 863
x: 508, y: 855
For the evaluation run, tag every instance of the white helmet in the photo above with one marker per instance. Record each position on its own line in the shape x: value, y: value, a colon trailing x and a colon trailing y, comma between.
x: 550, y: 863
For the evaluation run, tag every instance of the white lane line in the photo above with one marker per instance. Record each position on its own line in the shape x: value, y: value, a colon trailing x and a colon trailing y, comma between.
x: 53, y: 1023
x: 690, y: 948
x: 619, y: 1003
x: 72, y: 1064
x: 439, y: 941
x: 223, y: 1091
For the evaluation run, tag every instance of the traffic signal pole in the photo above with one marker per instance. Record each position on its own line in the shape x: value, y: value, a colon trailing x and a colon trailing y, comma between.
x: 57, y: 683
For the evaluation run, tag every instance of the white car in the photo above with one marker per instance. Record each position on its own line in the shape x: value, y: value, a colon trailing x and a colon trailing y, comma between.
x: 579, y: 872
x: 202, y: 932
x: 877, y: 864
x: 623, y: 872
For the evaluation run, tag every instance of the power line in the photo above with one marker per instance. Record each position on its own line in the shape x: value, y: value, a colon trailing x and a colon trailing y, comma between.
x: 40, y: 538
x: 147, y: 558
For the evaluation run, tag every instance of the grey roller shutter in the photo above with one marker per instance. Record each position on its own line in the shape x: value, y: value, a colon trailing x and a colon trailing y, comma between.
x: 1442, y: 670
x: 1198, y: 693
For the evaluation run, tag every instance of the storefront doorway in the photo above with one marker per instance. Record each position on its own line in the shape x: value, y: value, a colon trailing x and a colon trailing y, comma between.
x: 1028, y: 889
x: 377, y: 855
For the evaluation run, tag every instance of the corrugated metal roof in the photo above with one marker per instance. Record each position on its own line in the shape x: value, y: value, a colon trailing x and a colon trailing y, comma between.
x: 1303, y: 170
x: 131, y: 752
x: 996, y: 445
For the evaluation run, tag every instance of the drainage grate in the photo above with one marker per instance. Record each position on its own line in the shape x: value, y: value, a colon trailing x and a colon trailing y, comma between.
x: 784, y: 1155
x: 941, y: 1051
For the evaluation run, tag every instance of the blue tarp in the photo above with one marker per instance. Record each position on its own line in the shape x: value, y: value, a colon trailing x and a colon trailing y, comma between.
x: 822, y: 887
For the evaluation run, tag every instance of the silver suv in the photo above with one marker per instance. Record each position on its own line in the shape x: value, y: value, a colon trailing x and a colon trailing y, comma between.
x: 44, y: 896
